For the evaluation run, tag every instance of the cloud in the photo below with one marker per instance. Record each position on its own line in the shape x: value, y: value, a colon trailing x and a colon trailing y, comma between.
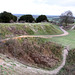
x: 56, y: 2
x: 48, y: 7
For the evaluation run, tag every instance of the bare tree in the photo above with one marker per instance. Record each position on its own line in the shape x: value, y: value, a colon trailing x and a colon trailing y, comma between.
x: 66, y: 18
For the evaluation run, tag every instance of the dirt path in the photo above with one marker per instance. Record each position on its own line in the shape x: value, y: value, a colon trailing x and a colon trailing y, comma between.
x: 1, y: 61
x: 41, y: 71
x: 73, y: 27
x: 53, y: 72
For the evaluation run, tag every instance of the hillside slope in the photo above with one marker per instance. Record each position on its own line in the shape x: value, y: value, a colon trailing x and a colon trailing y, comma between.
x: 17, y: 29
x: 34, y: 51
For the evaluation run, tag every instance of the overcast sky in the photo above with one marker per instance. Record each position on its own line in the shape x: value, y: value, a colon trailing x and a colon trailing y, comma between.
x: 47, y: 7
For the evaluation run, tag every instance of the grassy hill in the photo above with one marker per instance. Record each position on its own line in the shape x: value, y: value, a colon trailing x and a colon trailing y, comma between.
x: 34, y: 52
x: 16, y: 29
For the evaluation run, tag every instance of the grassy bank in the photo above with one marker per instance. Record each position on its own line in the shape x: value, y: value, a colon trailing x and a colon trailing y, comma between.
x: 16, y: 29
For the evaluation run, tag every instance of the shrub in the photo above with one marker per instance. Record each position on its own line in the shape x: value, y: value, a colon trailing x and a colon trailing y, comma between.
x: 6, y: 17
x: 42, y: 18
x: 27, y: 18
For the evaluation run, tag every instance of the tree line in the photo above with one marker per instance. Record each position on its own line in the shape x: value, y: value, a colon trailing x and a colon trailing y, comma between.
x: 6, y: 17
x: 64, y: 19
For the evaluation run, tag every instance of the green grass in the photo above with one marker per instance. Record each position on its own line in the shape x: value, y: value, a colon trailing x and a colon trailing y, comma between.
x: 28, y: 28
x: 46, y: 29
x: 29, y: 31
x: 66, y: 40
x: 69, y: 68
x: 6, y: 71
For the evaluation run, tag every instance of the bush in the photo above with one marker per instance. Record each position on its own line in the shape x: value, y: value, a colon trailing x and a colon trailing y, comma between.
x: 6, y: 17
x: 42, y: 18
x: 14, y: 18
x: 27, y: 18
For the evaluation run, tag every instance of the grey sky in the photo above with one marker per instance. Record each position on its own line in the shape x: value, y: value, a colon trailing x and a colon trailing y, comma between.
x: 57, y: 2
x: 47, y: 7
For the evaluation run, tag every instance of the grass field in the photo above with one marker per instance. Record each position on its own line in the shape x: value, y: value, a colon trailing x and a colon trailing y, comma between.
x: 68, y: 40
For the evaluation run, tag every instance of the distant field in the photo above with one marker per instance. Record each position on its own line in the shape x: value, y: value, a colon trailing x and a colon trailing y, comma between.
x: 17, y: 29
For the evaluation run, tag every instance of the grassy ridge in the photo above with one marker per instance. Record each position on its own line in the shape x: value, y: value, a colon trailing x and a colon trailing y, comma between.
x: 15, y: 29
